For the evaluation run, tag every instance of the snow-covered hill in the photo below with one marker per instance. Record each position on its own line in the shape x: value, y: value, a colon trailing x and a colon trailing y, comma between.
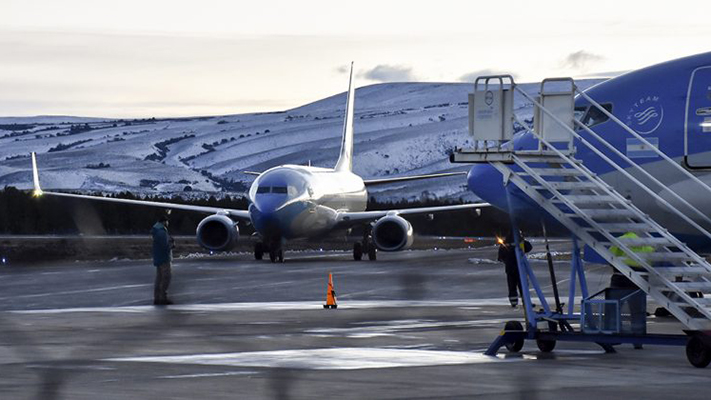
x: 400, y: 129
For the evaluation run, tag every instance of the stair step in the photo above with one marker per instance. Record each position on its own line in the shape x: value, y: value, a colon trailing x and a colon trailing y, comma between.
x: 591, y: 199
x: 693, y: 285
x: 666, y: 256
x: 648, y: 241
x: 574, y: 185
x: 706, y: 301
x: 623, y: 227
x: 609, y: 213
x: 677, y: 271
x: 533, y: 158
x: 557, y: 171
x: 703, y: 323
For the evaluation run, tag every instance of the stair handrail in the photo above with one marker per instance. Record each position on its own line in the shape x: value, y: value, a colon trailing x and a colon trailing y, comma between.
x: 618, y: 167
x: 618, y: 196
x: 681, y: 293
x: 615, y: 240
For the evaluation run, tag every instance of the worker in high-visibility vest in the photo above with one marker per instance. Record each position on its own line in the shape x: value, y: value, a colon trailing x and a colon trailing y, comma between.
x: 619, y: 280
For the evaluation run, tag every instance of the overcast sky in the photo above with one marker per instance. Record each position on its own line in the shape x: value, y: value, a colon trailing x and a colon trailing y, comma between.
x: 142, y: 58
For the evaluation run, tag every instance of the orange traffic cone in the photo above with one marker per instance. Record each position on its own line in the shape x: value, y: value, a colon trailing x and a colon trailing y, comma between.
x: 330, y: 294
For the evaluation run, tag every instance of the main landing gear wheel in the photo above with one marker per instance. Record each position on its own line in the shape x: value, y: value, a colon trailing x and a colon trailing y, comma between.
x: 372, y: 252
x: 258, y: 250
x: 516, y: 345
x: 280, y: 255
x: 357, y: 251
x: 697, y: 352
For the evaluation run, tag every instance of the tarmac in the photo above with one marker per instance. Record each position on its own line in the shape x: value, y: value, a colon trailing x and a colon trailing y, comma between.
x: 412, y: 325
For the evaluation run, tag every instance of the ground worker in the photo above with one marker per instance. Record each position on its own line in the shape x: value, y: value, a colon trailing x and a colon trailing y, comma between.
x: 162, y: 257
x: 617, y: 280
x: 507, y: 255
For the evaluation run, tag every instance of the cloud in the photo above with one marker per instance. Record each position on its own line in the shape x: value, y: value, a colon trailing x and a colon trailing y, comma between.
x: 581, y: 60
x: 471, y: 76
x: 389, y: 73
x: 343, y: 69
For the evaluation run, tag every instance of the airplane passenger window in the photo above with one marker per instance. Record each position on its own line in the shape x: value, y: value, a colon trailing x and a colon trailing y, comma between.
x: 263, y: 189
x: 279, y: 189
x: 595, y: 117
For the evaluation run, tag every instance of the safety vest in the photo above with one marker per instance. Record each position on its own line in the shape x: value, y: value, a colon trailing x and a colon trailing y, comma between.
x: 616, y: 251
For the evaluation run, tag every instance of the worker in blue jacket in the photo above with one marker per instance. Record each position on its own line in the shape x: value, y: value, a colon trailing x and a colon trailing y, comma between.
x: 162, y: 257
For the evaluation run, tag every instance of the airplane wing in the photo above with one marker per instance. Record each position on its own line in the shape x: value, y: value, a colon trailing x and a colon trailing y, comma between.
x: 363, y: 216
x: 251, y: 173
x: 238, y: 214
x: 381, y: 181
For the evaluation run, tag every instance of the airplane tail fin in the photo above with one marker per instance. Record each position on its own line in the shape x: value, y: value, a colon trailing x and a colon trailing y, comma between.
x: 345, y: 161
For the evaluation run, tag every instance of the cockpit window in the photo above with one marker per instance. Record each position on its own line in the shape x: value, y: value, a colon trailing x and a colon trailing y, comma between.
x: 280, y: 183
x: 595, y: 117
x: 579, y: 113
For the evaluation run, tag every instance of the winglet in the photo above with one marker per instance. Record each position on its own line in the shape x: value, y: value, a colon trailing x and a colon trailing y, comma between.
x: 35, y: 177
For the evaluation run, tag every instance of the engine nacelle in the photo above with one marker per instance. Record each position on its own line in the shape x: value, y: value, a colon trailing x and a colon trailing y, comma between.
x: 217, y: 233
x: 392, y: 233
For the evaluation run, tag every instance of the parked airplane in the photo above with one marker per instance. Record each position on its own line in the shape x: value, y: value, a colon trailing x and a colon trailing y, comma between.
x: 670, y: 105
x: 291, y: 201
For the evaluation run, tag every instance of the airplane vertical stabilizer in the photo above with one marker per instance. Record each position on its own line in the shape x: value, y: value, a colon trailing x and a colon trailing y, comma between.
x: 345, y: 161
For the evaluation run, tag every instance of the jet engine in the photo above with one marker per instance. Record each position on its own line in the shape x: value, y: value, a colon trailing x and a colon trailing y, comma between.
x: 392, y: 233
x: 217, y: 233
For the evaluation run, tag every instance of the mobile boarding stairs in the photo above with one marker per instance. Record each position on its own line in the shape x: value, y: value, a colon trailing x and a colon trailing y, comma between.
x: 596, y: 214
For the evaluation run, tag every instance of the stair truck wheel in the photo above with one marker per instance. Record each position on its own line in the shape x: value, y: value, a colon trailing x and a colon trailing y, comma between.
x: 545, y: 346
x: 698, y: 352
x: 517, y: 345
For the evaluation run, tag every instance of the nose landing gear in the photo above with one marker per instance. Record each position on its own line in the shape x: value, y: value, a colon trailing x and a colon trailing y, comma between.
x: 276, y: 255
x: 275, y: 251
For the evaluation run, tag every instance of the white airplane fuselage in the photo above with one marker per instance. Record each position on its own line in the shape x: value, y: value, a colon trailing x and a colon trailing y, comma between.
x: 291, y: 201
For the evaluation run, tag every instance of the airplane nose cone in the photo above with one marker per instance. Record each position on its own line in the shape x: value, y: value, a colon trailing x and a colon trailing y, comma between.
x: 269, y: 204
x: 267, y: 216
x: 487, y: 183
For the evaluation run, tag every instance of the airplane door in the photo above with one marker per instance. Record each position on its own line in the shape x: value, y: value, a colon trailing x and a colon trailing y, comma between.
x: 697, y: 129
